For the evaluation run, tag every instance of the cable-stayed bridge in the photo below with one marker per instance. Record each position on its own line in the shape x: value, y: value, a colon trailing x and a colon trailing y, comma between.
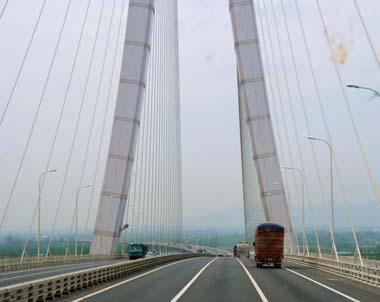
x: 94, y: 145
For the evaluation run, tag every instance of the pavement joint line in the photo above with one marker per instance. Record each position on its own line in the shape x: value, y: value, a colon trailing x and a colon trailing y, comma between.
x: 128, y: 280
x: 258, y: 289
x: 187, y: 286
x: 323, y: 285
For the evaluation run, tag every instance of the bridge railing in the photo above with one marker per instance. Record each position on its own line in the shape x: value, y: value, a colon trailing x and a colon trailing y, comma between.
x: 351, y: 259
x: 57, y: 286
x: 12, y: 264
x: 189, y: 248
x: 368, y: 273
x: 17, y: 263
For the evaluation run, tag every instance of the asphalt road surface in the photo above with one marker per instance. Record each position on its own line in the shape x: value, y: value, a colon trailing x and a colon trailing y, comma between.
x: 228, y: 279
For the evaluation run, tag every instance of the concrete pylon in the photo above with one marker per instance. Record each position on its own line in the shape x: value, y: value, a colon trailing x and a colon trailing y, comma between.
x: 125, y: 128
x: 257, y: 117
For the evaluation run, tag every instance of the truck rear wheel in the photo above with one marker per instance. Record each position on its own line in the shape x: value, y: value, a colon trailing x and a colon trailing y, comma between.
x: 277, y: 265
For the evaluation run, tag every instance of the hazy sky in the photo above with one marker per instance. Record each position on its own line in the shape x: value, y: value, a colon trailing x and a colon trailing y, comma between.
x: 211, y: 154
x: 212, y: 186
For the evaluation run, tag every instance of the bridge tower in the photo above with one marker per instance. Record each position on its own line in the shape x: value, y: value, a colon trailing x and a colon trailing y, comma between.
x: 126, y: 123
x: 257, y: 119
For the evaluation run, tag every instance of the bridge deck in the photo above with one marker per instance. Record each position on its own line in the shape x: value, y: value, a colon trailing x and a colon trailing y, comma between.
x: 225, y: 280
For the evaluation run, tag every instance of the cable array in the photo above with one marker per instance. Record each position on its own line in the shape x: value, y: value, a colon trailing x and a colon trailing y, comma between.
x: 295, y: 128
x: 154, y: 205
x: 283, y: 103
x: 253, y: 209
x: 154, y: 209
x: 93, y: 78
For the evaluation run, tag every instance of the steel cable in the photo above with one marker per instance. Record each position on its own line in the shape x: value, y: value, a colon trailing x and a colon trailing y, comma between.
x: 281, y: 107
x: 31, y: 131
x: 275, y: 110
x: 119, y: 36
x: 76, y: 125
x: 349, y: 111
x: 307, y: 123
x: 3, y: 8
x: 327, y: 130
x: 59, y: 120
x: 96, y: 99
x: 295, y: 128
x: 366, y: 31
x: 20, y: 69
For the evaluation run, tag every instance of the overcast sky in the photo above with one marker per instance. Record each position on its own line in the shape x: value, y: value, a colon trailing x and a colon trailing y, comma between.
x: 211, y: 153
x: 212, y: 185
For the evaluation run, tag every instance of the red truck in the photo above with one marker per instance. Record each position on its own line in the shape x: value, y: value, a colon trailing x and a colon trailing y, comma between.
x: 269, y: 244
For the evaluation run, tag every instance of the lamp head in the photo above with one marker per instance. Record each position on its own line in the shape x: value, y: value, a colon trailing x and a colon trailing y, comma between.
x: 125, y: 226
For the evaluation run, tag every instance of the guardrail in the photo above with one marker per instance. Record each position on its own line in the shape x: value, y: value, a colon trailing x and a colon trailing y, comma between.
x: 58, y: 286
x: 188, y: 248
x: 363, y: 273
x: 13, y: 264
x: 352, y: 259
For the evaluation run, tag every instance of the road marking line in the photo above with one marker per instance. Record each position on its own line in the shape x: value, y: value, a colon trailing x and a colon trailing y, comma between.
x: 180, y: 294
x: 258, y: 289
x: 128, y: 280
x: 323, y: 285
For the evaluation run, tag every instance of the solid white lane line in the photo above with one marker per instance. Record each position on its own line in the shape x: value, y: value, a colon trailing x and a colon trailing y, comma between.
x: 128, y: 280
x: 183, y: 290
x: 323, y: 285
x: 258, y: 289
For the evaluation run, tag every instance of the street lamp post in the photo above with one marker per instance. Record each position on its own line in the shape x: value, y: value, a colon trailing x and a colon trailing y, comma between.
x: 331, y: 177
x: 287, y: 193
x: 305, y: 247
x: 123, y: 227
x: 376, y: 93
x: 76, y: 217
x: 39, y: 212
x: 331, y: 188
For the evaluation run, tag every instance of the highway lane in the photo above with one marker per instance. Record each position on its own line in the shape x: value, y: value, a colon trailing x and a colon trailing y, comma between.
x: 287, y: 284
x: 199, y: 279
x: 224, y: 279
x: 160, y: 285
x: 213, y: 279
x: 10, y: 278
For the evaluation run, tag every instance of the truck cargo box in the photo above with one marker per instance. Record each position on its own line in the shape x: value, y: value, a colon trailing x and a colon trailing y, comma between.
x: 269, y: 244
x: 242, y: 250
